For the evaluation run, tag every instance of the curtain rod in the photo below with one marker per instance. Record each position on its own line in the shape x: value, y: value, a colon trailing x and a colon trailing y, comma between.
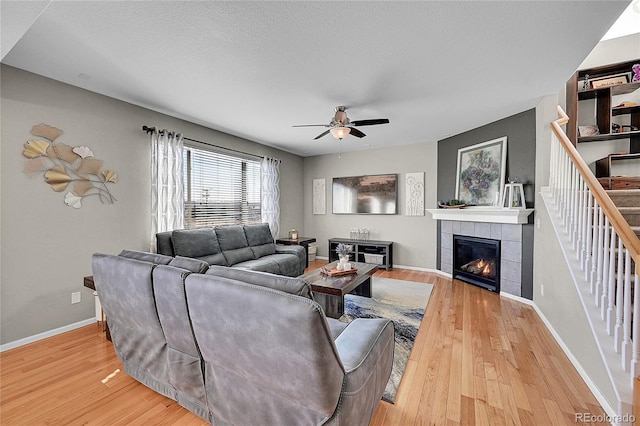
x: 148, y: 129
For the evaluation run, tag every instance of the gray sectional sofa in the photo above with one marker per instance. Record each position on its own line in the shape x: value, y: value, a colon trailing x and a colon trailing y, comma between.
x: 240, y: 246
x: 239, y: 347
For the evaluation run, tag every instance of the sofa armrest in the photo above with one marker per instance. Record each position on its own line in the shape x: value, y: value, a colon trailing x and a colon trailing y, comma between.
x: 298, y: 251
x: 366, y: 349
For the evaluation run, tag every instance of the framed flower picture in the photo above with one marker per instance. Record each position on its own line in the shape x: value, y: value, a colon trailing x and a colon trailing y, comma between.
x: 481, y: 172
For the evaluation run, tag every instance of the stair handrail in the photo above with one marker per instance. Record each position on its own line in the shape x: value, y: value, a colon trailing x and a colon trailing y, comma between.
x: 617, y: 221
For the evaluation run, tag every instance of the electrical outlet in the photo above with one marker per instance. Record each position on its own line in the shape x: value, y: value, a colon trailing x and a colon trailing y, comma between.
x: 541, y: 290
x: 538, y: 223
x: 76, y: 297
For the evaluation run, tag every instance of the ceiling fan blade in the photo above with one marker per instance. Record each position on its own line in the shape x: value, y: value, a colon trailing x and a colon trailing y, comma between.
x: 370, y: 122
x: 357, y: 133
x: 322, y: 134
x: 310, y: 125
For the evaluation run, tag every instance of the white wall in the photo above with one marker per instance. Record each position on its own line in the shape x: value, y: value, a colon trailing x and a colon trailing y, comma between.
x: 46, y: 246
x: 414, y: 237
x: 554, y: 291
x: 615, y: 50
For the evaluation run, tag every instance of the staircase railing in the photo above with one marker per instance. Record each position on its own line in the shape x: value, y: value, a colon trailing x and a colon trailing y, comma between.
x: 604, y: 245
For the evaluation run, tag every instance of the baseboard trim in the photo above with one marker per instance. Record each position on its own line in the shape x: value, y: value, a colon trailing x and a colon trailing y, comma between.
x: 418, y: 268
x: 44, y: 335
x: 519, y: 299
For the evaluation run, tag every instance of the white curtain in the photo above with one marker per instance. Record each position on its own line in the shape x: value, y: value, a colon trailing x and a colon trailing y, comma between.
x: 167, y: 191
x: 270, y: 203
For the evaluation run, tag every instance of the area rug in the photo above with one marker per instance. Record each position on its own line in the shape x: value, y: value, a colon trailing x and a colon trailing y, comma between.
x: 403, y: 302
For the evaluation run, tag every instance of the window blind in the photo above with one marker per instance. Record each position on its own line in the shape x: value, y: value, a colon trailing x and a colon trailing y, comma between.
x: 220, y: 189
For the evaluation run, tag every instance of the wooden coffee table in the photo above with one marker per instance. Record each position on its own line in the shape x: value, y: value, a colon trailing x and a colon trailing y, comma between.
x: 329, y: 291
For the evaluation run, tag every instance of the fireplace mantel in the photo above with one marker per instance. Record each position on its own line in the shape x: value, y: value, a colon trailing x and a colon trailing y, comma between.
x: 483, y: 214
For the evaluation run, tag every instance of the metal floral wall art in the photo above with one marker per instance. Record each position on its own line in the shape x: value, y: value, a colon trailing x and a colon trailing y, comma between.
x: 73, y: 169
x: 415, y: 193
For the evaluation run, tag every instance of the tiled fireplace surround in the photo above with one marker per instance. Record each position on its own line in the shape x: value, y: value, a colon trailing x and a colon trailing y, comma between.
x: 510, y: 236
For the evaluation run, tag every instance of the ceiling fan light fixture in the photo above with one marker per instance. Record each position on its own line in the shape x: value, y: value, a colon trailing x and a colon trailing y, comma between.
x: 340, y: 132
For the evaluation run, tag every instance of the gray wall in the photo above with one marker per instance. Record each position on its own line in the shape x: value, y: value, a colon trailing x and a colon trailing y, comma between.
x: 521, y: 152
x: 46, y: 246
x: 413, y: 236
x: 520, y: 130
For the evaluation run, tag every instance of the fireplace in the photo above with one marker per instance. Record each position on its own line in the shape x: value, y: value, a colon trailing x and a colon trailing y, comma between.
x: 477, y: 261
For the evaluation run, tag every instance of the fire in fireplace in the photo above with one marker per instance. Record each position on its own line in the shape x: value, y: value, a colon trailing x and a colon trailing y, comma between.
x: 477, y: 261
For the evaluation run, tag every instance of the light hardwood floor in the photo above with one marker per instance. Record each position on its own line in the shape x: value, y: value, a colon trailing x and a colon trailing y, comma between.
x: 478, y: 359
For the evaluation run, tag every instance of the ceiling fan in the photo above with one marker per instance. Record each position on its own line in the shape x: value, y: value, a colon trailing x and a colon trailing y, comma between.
x: 340, y: 126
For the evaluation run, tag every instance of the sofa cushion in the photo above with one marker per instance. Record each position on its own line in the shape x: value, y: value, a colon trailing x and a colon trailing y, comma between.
x: 297, y: 251
x: 190, y: 264
x: 164, y: 244
x: 158, y: 259
x: 288, y: 264
x: 290, y: 285
x: 233, y: 243
x: 262, y: 265
x: 260, y: 239
x: 196, y: 242
x: 214, y: 259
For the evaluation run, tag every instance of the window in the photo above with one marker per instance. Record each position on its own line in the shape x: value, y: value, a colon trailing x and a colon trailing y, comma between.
x: 220, y: 189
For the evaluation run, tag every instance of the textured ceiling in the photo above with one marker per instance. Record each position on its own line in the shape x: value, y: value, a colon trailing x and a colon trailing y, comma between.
x: 254, y: 69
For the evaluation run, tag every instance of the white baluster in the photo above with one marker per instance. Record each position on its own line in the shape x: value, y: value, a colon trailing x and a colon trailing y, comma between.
x: 635, y: 339
x: 600, y: 260
x: 565, y: 197
x: 626, y: 317
x: 605, y: 270
x: 594, y: 247
x: 574, y: 208
x: 588, y: 230
x: 562, y: 184
x: 552, y: 171
x: 580, y: 224
x: 617, y: 331
x: 569, y: 220
x: 563, y: 175
x: 552, y: 163
x: 610, y: 318
x: 559, y: 164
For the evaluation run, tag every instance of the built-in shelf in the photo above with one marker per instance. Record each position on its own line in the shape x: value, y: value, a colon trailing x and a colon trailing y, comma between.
x: 483, y: 214
x: 608, y: 136
x: 625, y: 110
x: 620, y: 89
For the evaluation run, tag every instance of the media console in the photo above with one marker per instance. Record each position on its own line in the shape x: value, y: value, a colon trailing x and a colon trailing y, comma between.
x: 366, y: 251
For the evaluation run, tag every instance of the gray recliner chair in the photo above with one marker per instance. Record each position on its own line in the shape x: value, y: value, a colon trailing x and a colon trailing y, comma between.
x: 125, y: 287
x: 149, y: 324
